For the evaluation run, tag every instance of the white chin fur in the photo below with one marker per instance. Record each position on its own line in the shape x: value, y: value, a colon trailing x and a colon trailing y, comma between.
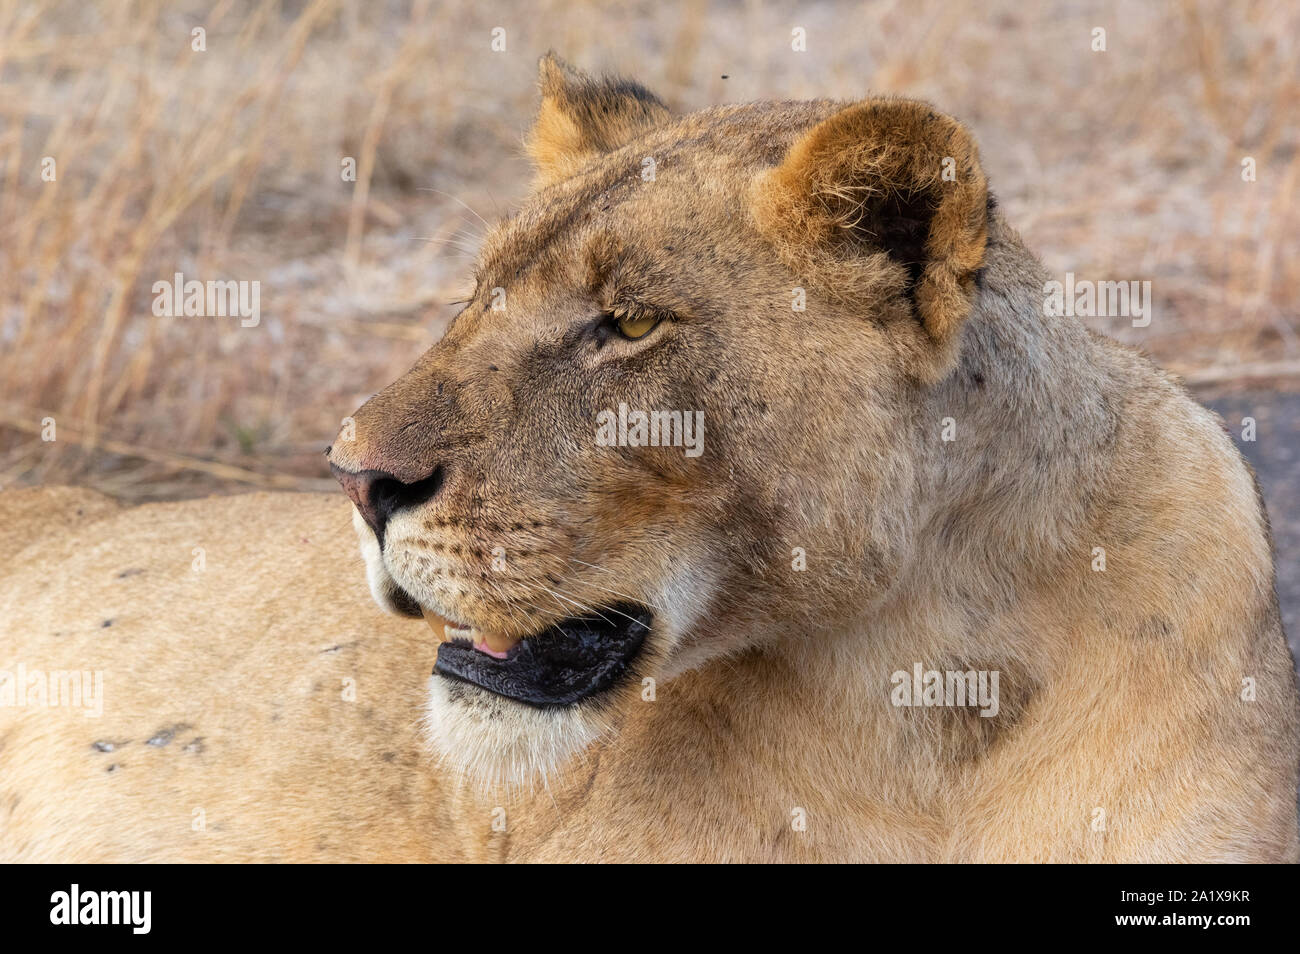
x: 501, y: 745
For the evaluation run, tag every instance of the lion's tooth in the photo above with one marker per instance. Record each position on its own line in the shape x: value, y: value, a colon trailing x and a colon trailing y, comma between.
x: 446, y: 630
x: 436, y: 623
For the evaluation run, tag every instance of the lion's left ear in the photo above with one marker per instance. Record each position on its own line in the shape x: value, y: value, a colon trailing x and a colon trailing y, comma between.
x: 884, y: 203
x: 581, y: 117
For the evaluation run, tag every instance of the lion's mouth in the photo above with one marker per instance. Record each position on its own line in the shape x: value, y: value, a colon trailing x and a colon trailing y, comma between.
x: 563, y: 664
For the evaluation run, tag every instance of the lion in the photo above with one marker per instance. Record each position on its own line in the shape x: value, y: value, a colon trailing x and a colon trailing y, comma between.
x: 757, y: 511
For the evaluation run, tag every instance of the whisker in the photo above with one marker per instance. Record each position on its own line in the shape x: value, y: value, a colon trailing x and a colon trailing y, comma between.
x: 465, y: 204
x: 625, y: 596
x: 584, y: 607
x: 435, y: 240
x: 611, y: 609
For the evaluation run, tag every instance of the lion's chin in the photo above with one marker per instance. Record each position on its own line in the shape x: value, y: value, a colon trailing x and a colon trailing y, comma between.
x: 500, y: 745
x: 510, y: 720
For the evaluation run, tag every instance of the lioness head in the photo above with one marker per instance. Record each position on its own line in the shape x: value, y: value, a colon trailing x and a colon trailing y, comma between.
x: 673, y: 420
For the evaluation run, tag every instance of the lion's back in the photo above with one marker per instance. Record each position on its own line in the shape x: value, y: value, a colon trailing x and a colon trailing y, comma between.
x: 218, y: 660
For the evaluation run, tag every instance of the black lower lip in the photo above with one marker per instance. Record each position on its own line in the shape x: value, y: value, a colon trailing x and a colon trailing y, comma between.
x: 572, y: 661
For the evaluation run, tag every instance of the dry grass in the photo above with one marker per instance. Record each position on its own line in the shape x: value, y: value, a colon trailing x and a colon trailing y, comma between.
x: 224, y: 164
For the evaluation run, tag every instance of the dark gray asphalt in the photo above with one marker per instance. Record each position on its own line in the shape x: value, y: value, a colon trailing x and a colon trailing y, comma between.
x: 1275, y: 455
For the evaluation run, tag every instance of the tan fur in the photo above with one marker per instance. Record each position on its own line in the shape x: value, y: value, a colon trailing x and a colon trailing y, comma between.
x: 836, y: 179
x: 580, y: 118
x: 1122, y: 732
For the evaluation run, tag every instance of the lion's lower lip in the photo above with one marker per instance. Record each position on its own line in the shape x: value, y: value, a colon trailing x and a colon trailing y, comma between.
x: 569, y: 662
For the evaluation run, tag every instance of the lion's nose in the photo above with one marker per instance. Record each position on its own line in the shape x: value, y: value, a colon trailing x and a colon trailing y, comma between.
x: 378, y: 494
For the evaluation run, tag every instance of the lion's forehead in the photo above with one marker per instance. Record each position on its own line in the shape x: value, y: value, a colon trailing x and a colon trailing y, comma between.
x: 703, y: 158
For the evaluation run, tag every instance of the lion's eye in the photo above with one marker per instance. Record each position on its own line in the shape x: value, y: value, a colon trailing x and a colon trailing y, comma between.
x: 635, y: 326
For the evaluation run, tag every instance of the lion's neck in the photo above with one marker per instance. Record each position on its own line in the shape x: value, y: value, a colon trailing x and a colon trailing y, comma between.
x: 1004, y: 516
x: 1034, y: 405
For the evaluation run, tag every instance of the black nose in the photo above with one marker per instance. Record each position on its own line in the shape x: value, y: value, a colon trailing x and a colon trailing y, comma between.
x: 378, y: 495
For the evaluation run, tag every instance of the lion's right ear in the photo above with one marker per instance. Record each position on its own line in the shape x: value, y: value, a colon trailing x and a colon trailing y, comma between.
x: 581, y: 117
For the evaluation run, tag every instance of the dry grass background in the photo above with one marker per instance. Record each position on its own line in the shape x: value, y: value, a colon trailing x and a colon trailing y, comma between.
x: 224, y: 164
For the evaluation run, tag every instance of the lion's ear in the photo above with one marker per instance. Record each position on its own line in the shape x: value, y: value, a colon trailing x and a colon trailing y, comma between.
x: 884, y: 199
x: 581, y: 117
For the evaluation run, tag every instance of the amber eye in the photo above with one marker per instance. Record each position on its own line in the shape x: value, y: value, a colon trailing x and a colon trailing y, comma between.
x: 635, y: 326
